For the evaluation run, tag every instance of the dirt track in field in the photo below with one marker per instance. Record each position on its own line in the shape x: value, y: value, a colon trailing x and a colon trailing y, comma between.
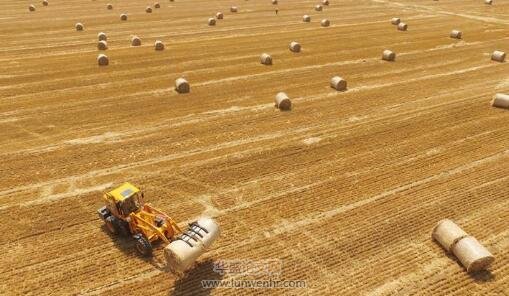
x: 344, y: 189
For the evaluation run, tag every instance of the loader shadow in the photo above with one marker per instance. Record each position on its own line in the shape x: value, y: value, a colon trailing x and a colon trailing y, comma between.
x: 123, y: 243
x: 126, y: 245
x: 191, y: 282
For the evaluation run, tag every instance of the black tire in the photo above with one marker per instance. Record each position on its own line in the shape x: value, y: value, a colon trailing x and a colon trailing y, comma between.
x: 112, y: 224
x: 143, y: 246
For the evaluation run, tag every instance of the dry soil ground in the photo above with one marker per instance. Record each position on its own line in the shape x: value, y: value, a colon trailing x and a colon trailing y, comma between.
x: 345, y: 188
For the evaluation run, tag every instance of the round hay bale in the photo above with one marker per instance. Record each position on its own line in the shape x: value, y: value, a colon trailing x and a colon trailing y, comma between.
x: 159, y: 45
x: 31, y: 7
x: 233, y: 9
x: 123, y: 17
x: 182, y: 86
x: 102, y: 36
x: 274, y: 2
x: 388, y: 55
x: 500, y: 101
x: 212, y: 21
x: 282, y: 102
x: 219, y: 15
x: 135, y: 41
x: 455, y: 34
x: 338, y: 83
x: 79, y: 27
x: 266, y: 59
x: 109, y: 6
x: 489, y: 2
x: 402, y: 27
x: 157, y: 5
x: 498, y: 56
x: 318, y: 7
x: 472, y: 255
x: 294, y: 46
x: 447, y: 233
x: 325, y: 2
x: 325, y: 23
x: 45, y: 3
x: 102, y: 45
x: 148, y: 9
x: 395, y: 21
x: 306, y: 18
x: 103, y: 60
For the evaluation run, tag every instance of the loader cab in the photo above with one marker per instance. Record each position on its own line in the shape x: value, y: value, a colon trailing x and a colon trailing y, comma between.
x: 124, y: 200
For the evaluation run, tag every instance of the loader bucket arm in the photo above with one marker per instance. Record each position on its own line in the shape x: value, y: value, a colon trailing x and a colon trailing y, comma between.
x: 163, y: 214
x: 147, y: 225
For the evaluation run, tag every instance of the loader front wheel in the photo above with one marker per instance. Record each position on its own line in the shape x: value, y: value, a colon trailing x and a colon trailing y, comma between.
x: 111, y: 225
x: 143, y: 246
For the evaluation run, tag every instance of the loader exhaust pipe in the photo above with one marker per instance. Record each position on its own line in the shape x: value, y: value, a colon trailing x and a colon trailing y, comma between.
x: 182, y: 253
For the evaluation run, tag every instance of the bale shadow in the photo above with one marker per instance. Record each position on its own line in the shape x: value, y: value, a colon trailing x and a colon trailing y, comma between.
x: 482, y: 276
x: 190, y: 282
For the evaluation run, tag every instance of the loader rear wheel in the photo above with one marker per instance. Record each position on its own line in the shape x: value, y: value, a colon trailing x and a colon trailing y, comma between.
x: 111, y: 224
x: 143, y: 246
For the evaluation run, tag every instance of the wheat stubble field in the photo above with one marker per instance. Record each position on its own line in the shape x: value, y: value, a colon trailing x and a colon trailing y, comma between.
x: 345, y: 188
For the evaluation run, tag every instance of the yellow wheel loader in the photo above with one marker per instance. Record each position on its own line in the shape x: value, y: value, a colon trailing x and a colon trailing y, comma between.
x: 126, y: 214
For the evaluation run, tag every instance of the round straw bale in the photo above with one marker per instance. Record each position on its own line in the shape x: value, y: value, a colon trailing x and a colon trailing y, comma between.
x: 325, y: 2
x: 102, y: 36
x: 31, y: 7
x: 219, y: 15
x: 456, y: 34
x: 157, y: 5
x: 318, y: 7
x: 282, y: 101
x: 102, y: 60
x: 472, y: 255
x: 79, y: 27
x: 338, y: 83
x: 233, y: 9
x: 447, y: 233
x: 123, y: 17
x: 274, y: 2
x: 182, y: 86
x: 109, y: 6
x: 159, y: 45
x: 306, y: 18
x: 45, y: 3
x: 489, y: 2
x: 148, y: 9
x: 395, y: 21
x: 294, y: 46
x: 325, y: 23
x: 498, y: 56
x: 135, y: 41
x: 388, y: 55
x: 212, y: 21
x: 500, y: 101
x: 266, y: 59
x: 402, y: 26
x: 102, y: 45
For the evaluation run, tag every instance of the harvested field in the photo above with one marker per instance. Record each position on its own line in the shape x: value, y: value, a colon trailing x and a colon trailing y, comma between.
x: 344, y: 189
